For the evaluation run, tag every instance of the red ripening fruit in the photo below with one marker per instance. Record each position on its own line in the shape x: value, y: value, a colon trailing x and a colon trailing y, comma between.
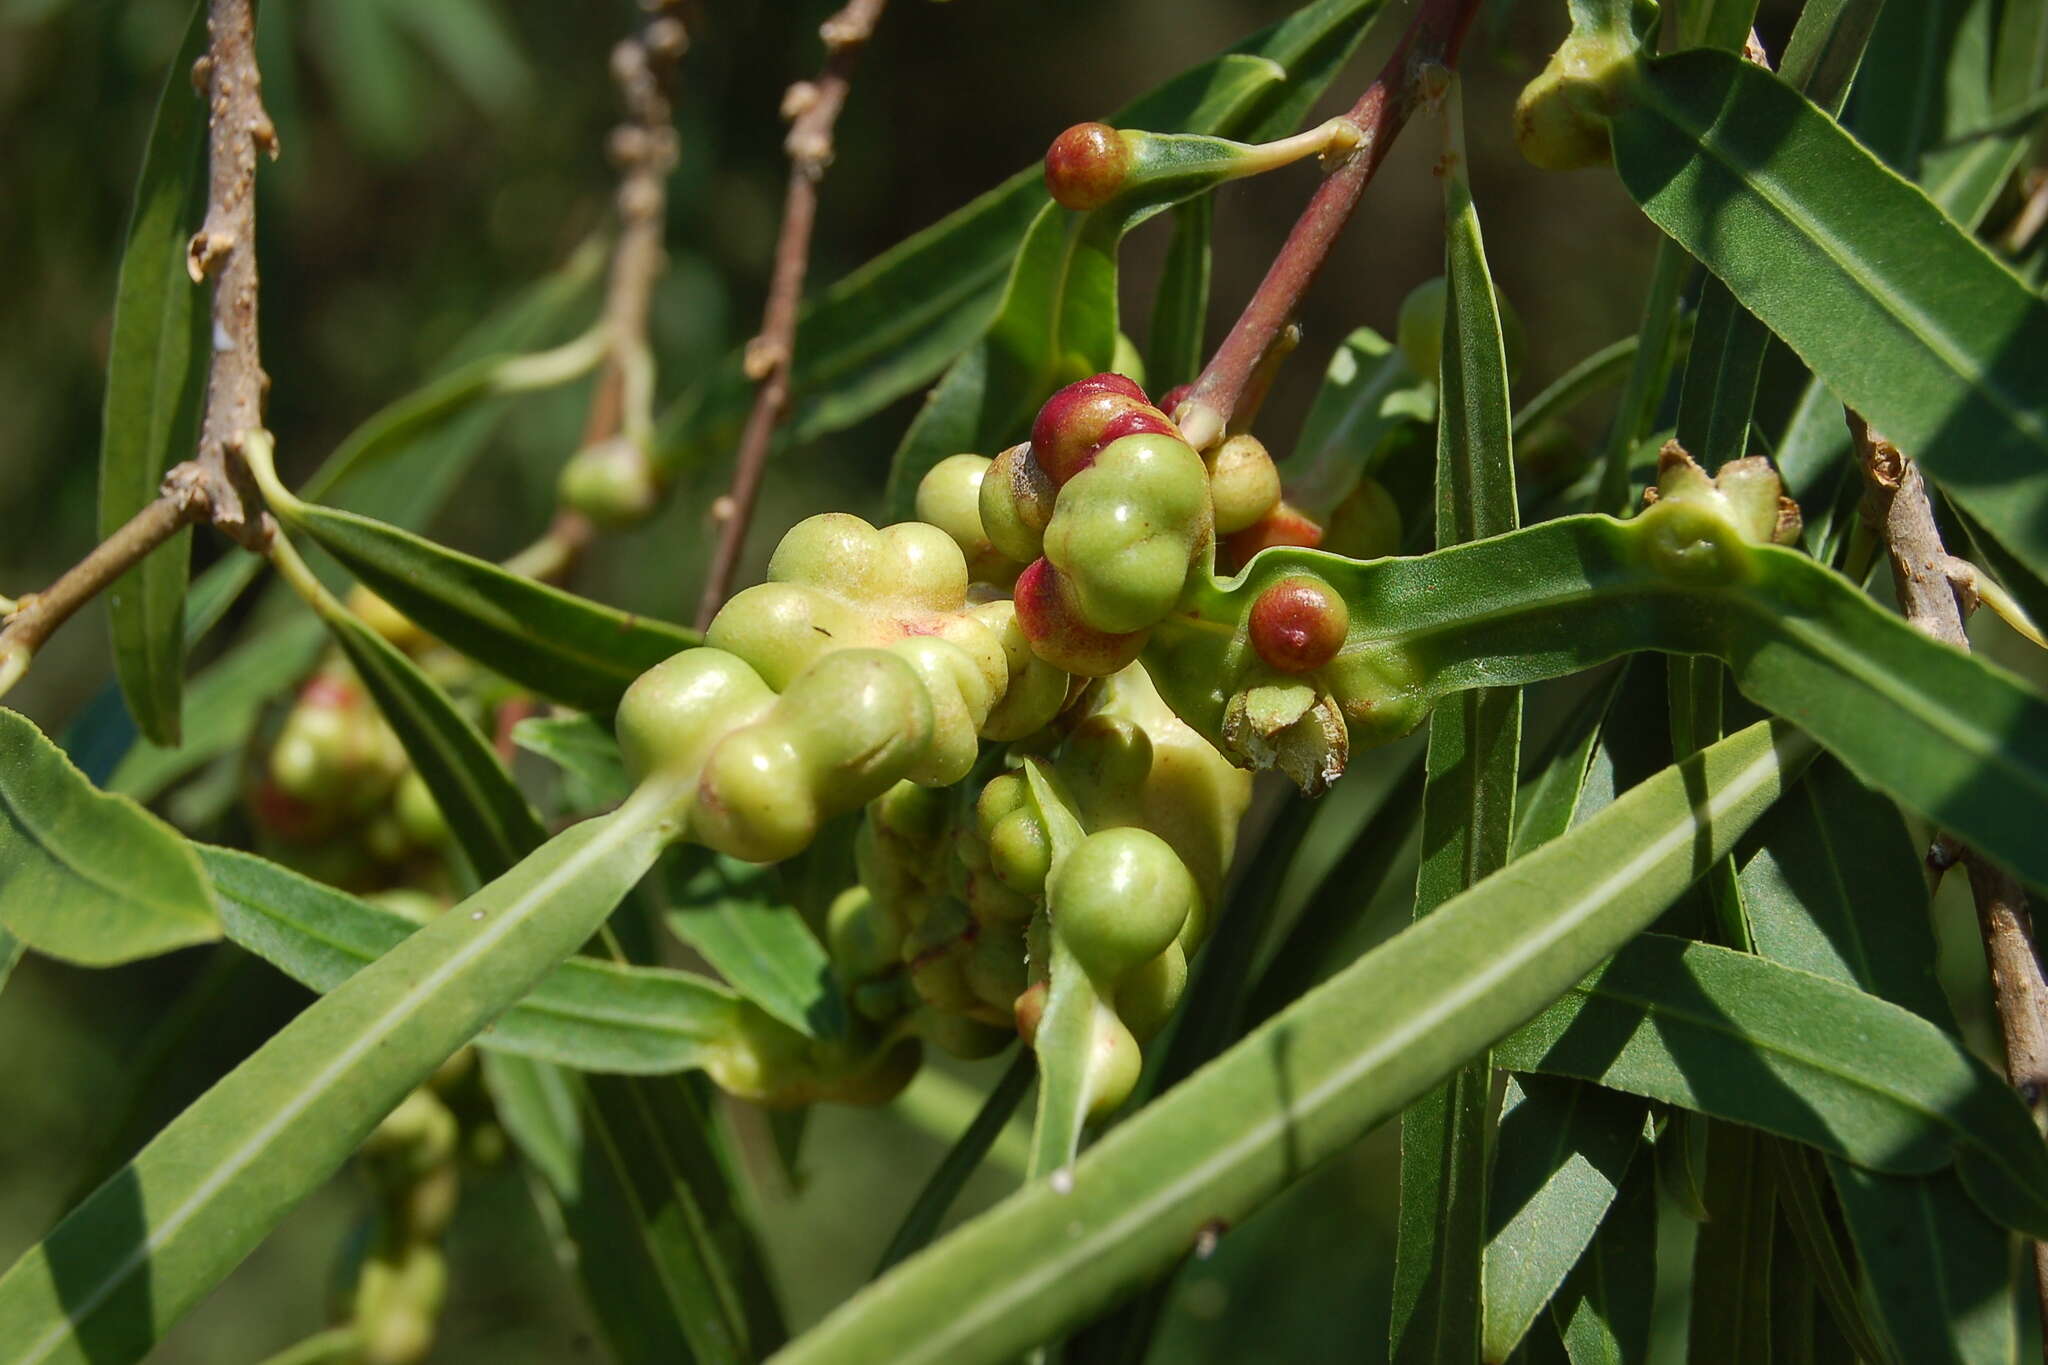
x: 1174, y: 397
x: 1086, y: 166
x: 1076, y: 421
x: 1286, y: 524
x: 1298, y: 624
x: 1057, y: 633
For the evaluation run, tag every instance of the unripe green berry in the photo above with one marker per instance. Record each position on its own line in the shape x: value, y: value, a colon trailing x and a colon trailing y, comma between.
x: 1107, y: 754
x: 1127, y: 361
x: 994, y: 902
x: 613, y: 483
x: 418, y: 815
x: 999, y: 796
x: 1119, y: 898
x: 921, y: 566
x: 1019, y: 851
x: 676, y: 710
x: 959, y: 699
x: 1016, y: 501
x: 864, y: 939
x: 1036, y: 690
x: 1086, y: 166
x: 1561, y: 116
x: 910, y: 812
x: 833, y: 550
x: 962, y: 1037
x: 1420, y: 328
x: 862, y: 719
x: 1286, y: 524
x: 995, y: 968
x: 949, y: 496
x: 1114, y: 1064
x: 1244, y: 484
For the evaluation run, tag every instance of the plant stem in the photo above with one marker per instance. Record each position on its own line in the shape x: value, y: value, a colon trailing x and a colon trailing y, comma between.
x: 224, y: 249
x: 37, y: 616
x: 1895, y: 499
x: 1433, y: 38
x: 813, y: 108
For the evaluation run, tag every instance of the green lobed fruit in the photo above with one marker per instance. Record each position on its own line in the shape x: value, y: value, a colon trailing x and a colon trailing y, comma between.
x: 995, y: 969
x: 958, y: 697
x: 1114, y: 1064
x: 1126, y: 529
x: 864, y: 939
x: 1037, y: 690
x: 1015, y: 501
x: 1286, y: 524
x: 754, y: 797
x: 949, y: 497
x: 1106, y: 756
x: 1561, y: 116
x: 1078, y: 421
x: 1119, y: 899
x: 1146, y: 998
x: 675, y: 711
x: 1019, y: 851
x: 1244, y: 484
x: 1058, y: 635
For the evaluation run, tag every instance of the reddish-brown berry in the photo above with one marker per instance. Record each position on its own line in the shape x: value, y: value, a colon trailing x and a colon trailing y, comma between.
x: 1174, y: 397
x: 1057, y: 633
x: 1085, y: 416
x: 1286, y: 524
x: 1299, y: 624
x: 1087, y: 165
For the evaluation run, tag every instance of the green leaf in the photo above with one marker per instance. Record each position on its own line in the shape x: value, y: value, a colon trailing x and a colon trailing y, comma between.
x: 565, y: 647
x: 1939, y: 1271
x: 1635, y: 415
x: 735, y: 915
x: 921, y: 1223
x: 1175, y: 348
x: 112, y: 1277
x: 86, y: 876
x: 1718, y: 393
x: 1369, y: 399
x: 156, y: 369
x: 1597, y: 371
x: 587, y: 1013
x: 1468, y: 803
x: 1308, y: 1082
x: 1902, y: 314
x: 1813, y: 1224
x: 593, y: 770
x: 1753, y: 1042
x: 486, y: 813
x: 1731, y: 1276
x: 1065, y: 1042
x: 1834, y: 887
x: 1946, y: 733
x: 1826, y: 49
x: 896, y: 322
x: 1563, y: 1149
x: 1603, y: 1312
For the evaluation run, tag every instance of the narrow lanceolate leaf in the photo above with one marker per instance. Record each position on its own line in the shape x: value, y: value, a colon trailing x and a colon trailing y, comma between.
x: 1604, y: 1310
x: 1939, y: 1270
x: 564, y: 647
x: 1468, y: 801
x: 1904, y: 315
x: 735, y: 915
x: 1067, y: 1029
x: 156, y: 367
x: 1803, y: 1203
x: 1564, y: 1148
x: 587, y: 1013
x: 1718, y: 392
x: 896, y: 322
x: 113, y: 1276
x: 1174, y: 347
x: 1310, y: 1081
x: 84, y: 876
x: 1731, y: 1277
x: 1747, y: 1040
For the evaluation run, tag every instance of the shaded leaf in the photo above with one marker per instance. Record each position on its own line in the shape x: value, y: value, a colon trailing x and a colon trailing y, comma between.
x: 1603, y: 1311
x: 1756, y: 1043
x: 921, y: 1223
x: 735, y: 915
x: 156, y: 369
x: 593, y: 769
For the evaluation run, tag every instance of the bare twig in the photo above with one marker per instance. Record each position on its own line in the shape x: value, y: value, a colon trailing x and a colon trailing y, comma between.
x: 1433, y: 38
x: 37, y: 615
x: 812, y: 108
x: 1923, y: 573
x: 224, y: 249
x: 213, y: 485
